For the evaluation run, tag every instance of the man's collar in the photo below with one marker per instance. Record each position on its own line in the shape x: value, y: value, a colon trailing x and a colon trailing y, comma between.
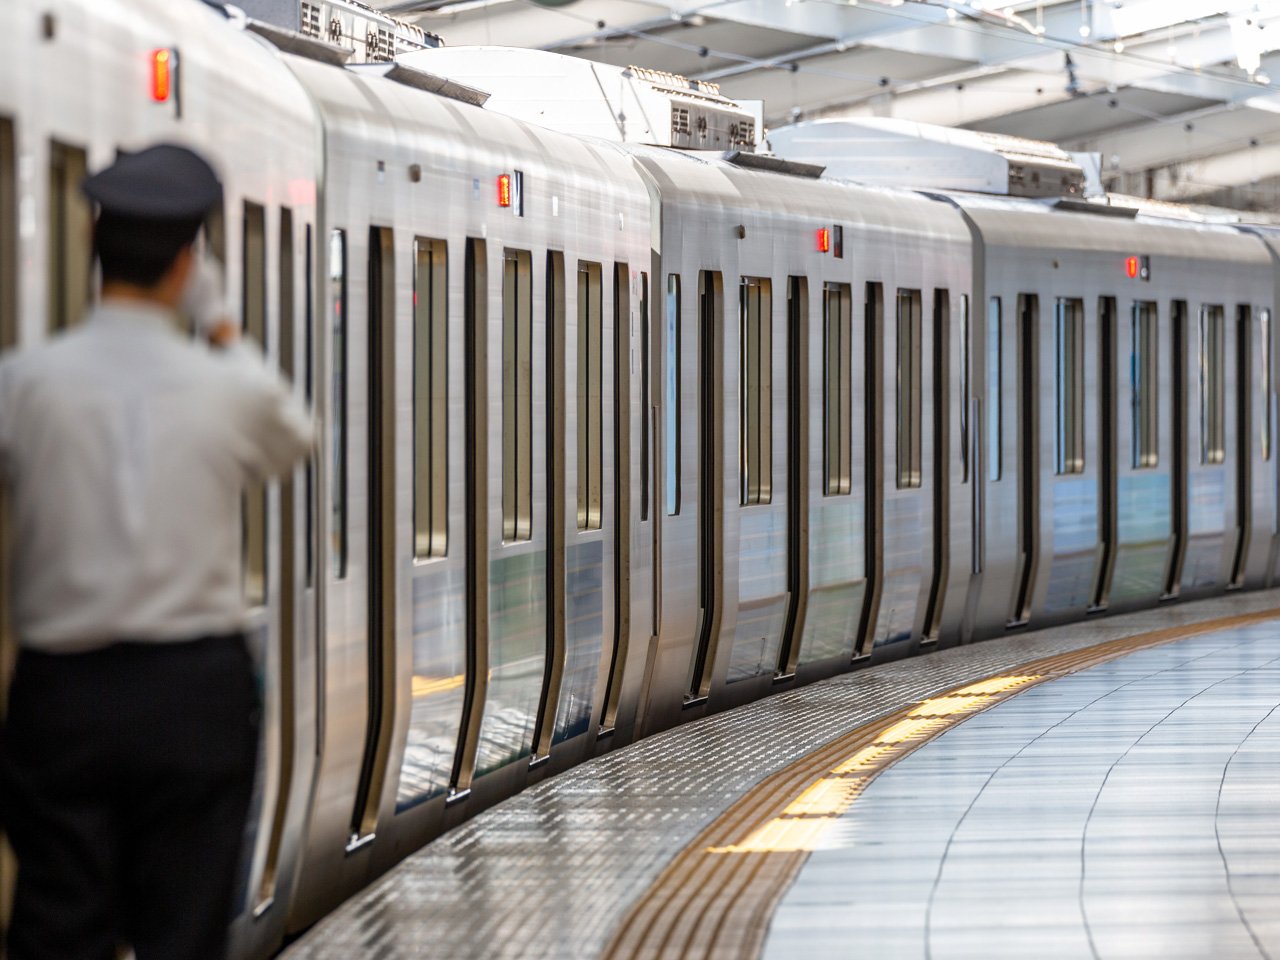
x: 135, y: 312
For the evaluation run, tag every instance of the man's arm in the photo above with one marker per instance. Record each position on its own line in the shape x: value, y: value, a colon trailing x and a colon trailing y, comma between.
x: 278, y: 426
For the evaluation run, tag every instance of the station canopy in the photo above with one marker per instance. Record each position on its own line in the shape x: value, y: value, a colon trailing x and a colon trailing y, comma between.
x: 1180, y: 98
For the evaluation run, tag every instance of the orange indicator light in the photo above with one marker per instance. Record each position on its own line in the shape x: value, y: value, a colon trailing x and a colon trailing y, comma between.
x: 504, y: 189
x: 161, y: 75
x: 1131, y: 268
x: 824, y: 240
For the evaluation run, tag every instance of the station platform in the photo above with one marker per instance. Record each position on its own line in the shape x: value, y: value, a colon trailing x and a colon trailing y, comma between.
x: 1105, y: 789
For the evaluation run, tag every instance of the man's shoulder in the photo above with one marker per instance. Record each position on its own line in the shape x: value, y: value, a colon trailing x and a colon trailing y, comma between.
x: 34, y: 358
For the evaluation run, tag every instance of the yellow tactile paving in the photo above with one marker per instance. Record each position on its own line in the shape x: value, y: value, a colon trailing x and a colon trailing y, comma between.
x: 716, y: 897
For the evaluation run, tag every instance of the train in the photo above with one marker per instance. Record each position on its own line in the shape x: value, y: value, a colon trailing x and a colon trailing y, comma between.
x: 614, y: 435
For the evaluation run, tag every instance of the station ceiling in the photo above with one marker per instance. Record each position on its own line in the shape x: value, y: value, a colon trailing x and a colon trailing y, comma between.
x: 1181, y: 98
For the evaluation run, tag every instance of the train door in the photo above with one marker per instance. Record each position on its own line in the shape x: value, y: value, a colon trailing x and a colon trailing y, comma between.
x: 710, y: 420
x: 436, y: 605
x: 584, y: 520
x: 1028, y: 457
x: 1139, y: 517
x: 1107, y: 387
x: 840, y: 529
x: 1178, y: 401
x: 797, y: 454
x: 557, y: 507
x: 475, y: 429
x: 1243, y: 452
x: 380, y: 593
x: 512, y: 614
x: 762, y: 560
x: 940, y: 447
x: 287, y: 626
x: 623, y: 340
x: 904, y: 561
x: 1070, y: 499
x: 1209, y: 487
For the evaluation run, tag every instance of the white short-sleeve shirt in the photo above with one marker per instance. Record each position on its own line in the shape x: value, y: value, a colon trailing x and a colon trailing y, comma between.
x: 125, y: 448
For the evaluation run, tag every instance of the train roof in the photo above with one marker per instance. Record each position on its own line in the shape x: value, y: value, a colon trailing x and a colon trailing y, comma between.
x: 383, y: 109
x: 1048, y: 224
x: 892, y: 152
x: 714, y: 180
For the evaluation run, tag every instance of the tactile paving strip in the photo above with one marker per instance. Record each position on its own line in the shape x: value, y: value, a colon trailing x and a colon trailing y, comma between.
x: 552, y: 872
x: 716, y: 898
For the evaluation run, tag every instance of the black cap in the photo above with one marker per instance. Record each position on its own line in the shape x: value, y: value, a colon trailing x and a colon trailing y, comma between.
x: 164, y: 182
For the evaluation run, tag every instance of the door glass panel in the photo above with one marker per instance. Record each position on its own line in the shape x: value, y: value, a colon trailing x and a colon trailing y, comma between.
x: 8, y: 236
x: 590, y: 397
x: 517, y: 395
x: 1144, y: 376
x: 254, y: 305
x: 1069, y: 329
x: 756, y: 390
x: 837, y: 423
x: 1213, y: 398
x: 1265, y: 361
x: 909, y: 390
x: 995, y: 389
x: 338, y: 402
x: 430, y: 399
x: 671, y: 379
x: 70, y: 220
x: 965, y: 398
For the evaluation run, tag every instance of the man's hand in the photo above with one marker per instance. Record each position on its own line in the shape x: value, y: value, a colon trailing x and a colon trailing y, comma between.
x: 205, y: 301
x: 222, y: 334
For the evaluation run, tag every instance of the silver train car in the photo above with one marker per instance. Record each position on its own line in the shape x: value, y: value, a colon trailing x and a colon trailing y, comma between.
x: 615, y: 436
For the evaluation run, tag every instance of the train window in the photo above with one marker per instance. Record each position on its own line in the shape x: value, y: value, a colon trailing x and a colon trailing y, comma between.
x: 964, y: 388
x: 645, y: 438
x: 430, y: 399
x: 671, y: 400
x: 254, y: 313
x: 1264, y: 333
x: 1069, y: 337
x: 590, y: 396
x: 837, y: 388
x: 1144, y: 375
x: 338, y: 413
x: 517, y: 395
x: 756, y: 391
x: 215, y: 233
x: 1212, y: 385
x: 308, y: 376
x: 286, y: 295
x: 70, y: 222
x: 910, y: 388
x: 995, y: 388
x: 8, y: 236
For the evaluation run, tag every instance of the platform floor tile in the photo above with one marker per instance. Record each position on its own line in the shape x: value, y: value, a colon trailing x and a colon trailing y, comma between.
x: 1158, y: 836
x: 551, y: 872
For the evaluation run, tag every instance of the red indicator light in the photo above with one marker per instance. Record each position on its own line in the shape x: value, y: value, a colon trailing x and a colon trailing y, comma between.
x: 1131, y: 268
x: 504, y: 189
x: 161, y: 75
x: 824, y: 240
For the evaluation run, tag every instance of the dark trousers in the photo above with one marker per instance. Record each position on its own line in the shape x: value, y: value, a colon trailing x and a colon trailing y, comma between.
x: 125, y: 779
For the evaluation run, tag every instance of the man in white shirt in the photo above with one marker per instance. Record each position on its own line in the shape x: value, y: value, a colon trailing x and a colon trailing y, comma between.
x: 127, y: 761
